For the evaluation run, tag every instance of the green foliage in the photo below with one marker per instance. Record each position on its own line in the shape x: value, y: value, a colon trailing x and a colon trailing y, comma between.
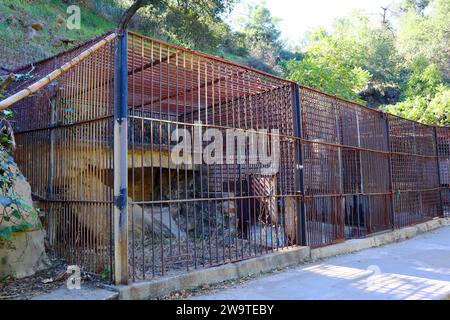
x: 14, y: 209
x: 331, y: 63
x: 358, y: 51
x: 424, y: 78
x: 261, y: 36
x: 341, y: 80
x: 21, y: 46
x: 426, y: 35
x: 426, y: 109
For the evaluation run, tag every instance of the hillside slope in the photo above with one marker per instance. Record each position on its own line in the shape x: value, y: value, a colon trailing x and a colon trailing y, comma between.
x: 31, y: 30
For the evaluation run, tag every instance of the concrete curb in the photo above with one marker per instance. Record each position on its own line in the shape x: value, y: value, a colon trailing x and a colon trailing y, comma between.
x: 355, y: 245
x: 285, y: 258
x: 85, y: 293
x: 166, y: 285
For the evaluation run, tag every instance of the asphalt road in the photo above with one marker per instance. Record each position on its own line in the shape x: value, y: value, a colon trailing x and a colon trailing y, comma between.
x: 418, y: 268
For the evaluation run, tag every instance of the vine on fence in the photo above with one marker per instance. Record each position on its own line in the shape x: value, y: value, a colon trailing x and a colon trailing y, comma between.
x: 15, y: 210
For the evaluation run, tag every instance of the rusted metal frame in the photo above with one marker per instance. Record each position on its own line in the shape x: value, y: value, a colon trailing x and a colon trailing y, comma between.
x: 193, y: 173
x: 75, y: 201
x: 299, y: 178
x: 360, y: 176
x: 340, y: 137
x: 251, y: 201
x: 178, y: 193
x: 152, y: 178
x: 206, y: 189
x: 55, y: 74
x: 218, y: 198
x: 64, y: 125
x: 239, y: 182
x: 171, y: 255
x: 51, y: 173
x: 142, y: 134
x: 192, y: 89
x: 227, y: 108
x: 185, y: 169
x: 216, y: 206
x: 391, y: 184
x: 416, y: 165
x: 221, y: 127
x: 332, y: 195
x: 436, y: 142
x: 263, y: 75
x: 221, y: 191
x: 134, y: 71
x: 132, y: 127
x: 151, y: 64
x: 120, y: 160
x: 414, y: 154
x: 278, y: 104
x: 418, y: 190
x: 160, y: 128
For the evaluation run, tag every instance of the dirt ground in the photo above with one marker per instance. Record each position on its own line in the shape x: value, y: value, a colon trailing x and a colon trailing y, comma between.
x: 41, y: 283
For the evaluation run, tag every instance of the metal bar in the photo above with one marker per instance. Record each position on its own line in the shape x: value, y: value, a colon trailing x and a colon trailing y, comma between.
x: 436, y: 143
x: 360, y: 176
x: 55, y: 74
x: 388, y: 143
x: 120, y: 161
x: 51, y: 171
x: 301, y: 210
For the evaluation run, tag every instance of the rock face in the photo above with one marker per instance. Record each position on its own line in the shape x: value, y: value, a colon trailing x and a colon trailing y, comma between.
x: 23, y: 253
x: 377, y: 95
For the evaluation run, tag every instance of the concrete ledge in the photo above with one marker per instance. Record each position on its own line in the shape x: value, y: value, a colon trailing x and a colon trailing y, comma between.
x: 164, y: 286
x: 85, y: 293
x: 355, y: 245
x: 289, y: 257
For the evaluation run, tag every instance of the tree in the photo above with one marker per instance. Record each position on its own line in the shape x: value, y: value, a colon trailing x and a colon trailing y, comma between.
x: 262, y: 38
x: 333, y: 60
x: 426, y: 34
x: 193, y: 23
x: 426, y: 109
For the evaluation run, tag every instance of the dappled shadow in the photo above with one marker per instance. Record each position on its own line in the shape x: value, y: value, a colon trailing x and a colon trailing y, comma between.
x: 384, y: 285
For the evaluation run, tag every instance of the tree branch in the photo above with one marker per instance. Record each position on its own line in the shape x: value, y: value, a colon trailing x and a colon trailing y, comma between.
x: 126, y: 17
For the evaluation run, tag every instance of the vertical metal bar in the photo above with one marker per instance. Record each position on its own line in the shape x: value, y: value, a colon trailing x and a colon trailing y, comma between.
x: 301, y: 212
x: 441, y: 208
x: 51, y: 169
x: 120, y: 161
x: 360, y: 179
x: 391, y: 185
x: 416, y: 165
x: 339, y: 135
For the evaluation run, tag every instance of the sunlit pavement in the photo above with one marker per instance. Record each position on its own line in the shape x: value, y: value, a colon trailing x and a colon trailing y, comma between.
x: 414, y: 269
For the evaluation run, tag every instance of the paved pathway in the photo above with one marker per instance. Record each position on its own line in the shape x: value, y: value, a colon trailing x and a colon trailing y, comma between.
x: 418, y: 268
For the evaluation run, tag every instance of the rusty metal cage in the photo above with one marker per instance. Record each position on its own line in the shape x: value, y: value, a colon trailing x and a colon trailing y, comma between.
x: 64, y: 147
x: 346, y: 164
x: 415, y: 171
x: 192, y: 215
x: 342, y: 170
